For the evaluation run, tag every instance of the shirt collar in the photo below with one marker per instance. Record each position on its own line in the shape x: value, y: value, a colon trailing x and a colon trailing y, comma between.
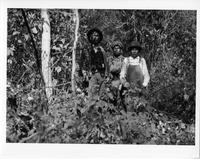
x: 137, y: 58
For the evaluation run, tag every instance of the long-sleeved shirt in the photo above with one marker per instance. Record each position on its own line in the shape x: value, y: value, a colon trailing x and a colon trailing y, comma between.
x: 135, y: 61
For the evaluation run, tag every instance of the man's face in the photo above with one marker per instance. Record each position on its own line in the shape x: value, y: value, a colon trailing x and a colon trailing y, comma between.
x: 117, y: 50
x: 134, y: 52
x: 95, y: 37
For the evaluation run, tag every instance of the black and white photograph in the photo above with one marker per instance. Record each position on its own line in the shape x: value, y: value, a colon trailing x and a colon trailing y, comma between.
x: 101, y: 76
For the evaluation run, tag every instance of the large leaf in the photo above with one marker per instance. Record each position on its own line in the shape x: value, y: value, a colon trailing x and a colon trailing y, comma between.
x: 34, y: 30
x: 56, y: 48
x: 10, y: 52
x: 16, y: 33
x: 26, y: 36
x: 58, y: 69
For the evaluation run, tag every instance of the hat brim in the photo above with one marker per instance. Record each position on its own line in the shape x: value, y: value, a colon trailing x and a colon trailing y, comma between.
x: 90, y: 32
x: 137, y: 47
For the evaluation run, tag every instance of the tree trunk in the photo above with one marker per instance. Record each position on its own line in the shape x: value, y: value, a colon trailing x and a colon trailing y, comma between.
x: 46, y: 70
x: 76, y: 18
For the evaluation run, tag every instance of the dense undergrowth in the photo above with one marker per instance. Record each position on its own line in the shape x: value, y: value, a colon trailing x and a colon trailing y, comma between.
x: 76, y: 119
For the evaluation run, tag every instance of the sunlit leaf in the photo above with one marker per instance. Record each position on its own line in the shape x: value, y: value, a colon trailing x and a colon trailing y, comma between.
x: 186, y: 97
x: 61, y: 45
x: 55, y: 82
x: 34, y: 30
x: 26, y: 36
x: 16, y: 33
x: 9, y: 52
x: 183, y: 126
x: 19, y: 41
x: 30, y: 98
x: 63, y: 40
x: 56, y: 48
x: 9, y: 61
x: 58, y: 69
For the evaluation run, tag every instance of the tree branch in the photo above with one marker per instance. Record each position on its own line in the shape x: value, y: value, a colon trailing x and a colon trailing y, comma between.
x: 32, y: 40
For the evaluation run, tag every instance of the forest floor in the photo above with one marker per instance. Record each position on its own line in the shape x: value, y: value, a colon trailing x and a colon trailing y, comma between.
x: 76, y: 119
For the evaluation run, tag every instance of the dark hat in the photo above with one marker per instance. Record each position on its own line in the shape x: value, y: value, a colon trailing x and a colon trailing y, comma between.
x: 134, y: 44
x: 117, y: 43
x: 90, y: 32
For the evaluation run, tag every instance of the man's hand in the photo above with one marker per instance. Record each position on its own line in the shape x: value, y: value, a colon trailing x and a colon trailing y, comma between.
x: 144, y: 84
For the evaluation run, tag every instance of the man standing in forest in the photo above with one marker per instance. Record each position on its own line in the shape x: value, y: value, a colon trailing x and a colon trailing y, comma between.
x: 134, y: 72
x: 115, y: 65
x: 97, y: 62
x: 134, y: 75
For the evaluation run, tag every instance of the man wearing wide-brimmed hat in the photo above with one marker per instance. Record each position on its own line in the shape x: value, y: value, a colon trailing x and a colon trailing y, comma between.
x: 134, y: 71
x: 97, y: 62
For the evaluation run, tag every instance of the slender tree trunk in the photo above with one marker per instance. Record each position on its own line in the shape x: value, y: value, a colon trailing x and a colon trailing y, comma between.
x: 46, y: 70
x: 76, y: 17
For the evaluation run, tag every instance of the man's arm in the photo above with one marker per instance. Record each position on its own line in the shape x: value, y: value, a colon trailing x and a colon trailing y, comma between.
x: 145, y: 73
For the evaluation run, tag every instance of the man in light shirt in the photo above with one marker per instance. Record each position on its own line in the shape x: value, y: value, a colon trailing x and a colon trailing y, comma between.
x: 134, y: 72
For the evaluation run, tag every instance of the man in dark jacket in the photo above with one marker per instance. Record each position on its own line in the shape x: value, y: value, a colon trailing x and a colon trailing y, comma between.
x: 96, y: 59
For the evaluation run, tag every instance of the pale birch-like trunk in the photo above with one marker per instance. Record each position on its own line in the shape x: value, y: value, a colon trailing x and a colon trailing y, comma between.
x: 46, y: 38
x: 76, y: 17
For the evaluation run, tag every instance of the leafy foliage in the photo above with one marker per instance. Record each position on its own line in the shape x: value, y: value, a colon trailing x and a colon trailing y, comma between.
x: 73, y: 120
x: 164, y: 114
